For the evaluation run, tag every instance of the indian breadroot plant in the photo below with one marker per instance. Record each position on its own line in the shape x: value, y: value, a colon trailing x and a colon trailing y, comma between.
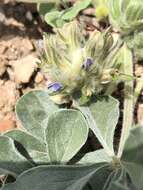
x: 49, y: 151
x: 42, y: 153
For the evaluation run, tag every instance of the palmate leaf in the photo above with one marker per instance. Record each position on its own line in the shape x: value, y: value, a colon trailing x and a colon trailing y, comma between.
x: 48, y: 135
x: 63, y: 134
x: 102, y: 116
x: 61, y: 138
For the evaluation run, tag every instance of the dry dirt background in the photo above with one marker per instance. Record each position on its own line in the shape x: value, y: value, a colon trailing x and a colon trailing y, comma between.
x: 20, y: 31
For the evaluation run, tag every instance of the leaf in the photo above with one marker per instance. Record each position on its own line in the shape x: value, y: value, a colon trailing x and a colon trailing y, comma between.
x: 58, y: 18
x: 11, y: 161
x: 36, y: 150
x: 72, y: 12
x: 102, y: 116
x: 54, y: 19
x: 33, y: 110
x: 97, y: 156
x: 132, y: 158
x: 62, y: 178
x: 66, y: 133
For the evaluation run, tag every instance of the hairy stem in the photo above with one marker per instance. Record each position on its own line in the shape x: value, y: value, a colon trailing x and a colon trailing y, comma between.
x: 128, y: 104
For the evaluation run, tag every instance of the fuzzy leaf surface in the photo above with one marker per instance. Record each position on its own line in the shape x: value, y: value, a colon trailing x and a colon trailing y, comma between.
x: 97, y: 156
x: 66, y: 133
x: 11, y: 161
x: 102, y: 116
x: 33, y: 110
x: 62, y: 178
x: 35, y: 149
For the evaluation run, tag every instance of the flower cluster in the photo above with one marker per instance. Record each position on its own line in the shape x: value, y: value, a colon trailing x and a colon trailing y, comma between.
x: 75, y: 64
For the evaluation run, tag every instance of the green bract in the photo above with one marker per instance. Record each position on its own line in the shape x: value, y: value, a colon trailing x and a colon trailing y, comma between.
x: 135, y: 42
x: 127, y: 15
x: 74, y: 64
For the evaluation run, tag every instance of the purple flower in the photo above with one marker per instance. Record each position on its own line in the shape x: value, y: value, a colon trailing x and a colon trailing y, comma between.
x: 55, y: 86
x: 88, y: 62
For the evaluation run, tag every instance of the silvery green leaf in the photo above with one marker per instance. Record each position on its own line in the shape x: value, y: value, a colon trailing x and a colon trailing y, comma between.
x: 33, y: 110
x: 102, y: 116
x: 62, y: 178
x: 11, y: 161
x: 36, y: 150
x: 66, y: 133
x: 54, y: 18
x: 132, y: 158
x: 99, y: 176
x: 58, y: 18
x: 97, y: 156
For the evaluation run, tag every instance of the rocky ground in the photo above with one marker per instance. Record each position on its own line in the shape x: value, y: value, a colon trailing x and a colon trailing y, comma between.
x: 20, y: 31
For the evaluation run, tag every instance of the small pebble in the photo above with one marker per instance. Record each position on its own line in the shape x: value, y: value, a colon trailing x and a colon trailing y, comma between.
x: 39, y: 78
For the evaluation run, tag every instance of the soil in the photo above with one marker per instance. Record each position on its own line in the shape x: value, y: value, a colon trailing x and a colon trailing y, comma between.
x: 21, y: 29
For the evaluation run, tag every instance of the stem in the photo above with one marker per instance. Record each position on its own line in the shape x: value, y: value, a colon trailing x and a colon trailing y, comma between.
x: 128, y: 106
